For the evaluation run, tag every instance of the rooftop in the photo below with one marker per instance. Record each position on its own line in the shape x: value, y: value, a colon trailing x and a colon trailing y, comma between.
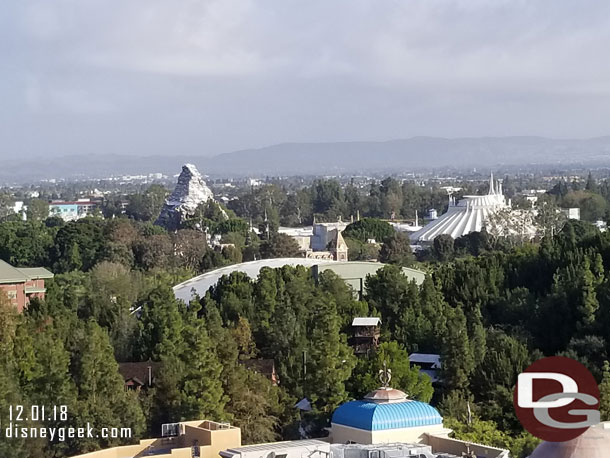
x: 350, y: 271
x: 366, y: 321
x: 203, y: 282
x: 375, y: 416
x: 10, y: 274
x: 276, y: 446
x: 425, y: 358
x: 138, y: 371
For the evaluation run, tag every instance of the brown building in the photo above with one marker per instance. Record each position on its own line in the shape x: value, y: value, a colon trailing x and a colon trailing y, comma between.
x: 139, y: 375
x: 366, y: 332
x: 21, y: 284
x: 264, y: 367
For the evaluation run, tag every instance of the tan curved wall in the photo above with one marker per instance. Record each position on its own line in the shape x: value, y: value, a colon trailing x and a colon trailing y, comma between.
x: 342, y: 434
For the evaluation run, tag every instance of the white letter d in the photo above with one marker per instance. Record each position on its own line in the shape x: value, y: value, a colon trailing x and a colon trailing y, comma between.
x: 526, y: 389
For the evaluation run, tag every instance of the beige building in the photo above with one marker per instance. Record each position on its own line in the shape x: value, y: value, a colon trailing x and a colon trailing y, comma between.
x: 321, y: 241
x: 387, y: 418
x: 336, y: 250
x: 312, y: 448
x: 385, y: 424
x: 187, y: 439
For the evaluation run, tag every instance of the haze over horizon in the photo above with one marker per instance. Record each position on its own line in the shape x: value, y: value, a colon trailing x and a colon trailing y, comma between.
x: 206, y: 77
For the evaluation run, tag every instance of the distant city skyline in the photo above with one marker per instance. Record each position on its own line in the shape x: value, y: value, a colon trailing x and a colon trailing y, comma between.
x: 202, y: 78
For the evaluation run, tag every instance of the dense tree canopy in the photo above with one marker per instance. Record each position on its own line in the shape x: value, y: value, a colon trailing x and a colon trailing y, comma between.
x: 485, y: 307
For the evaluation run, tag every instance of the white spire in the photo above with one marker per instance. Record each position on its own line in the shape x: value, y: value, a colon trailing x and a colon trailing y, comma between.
x: 491, y: 184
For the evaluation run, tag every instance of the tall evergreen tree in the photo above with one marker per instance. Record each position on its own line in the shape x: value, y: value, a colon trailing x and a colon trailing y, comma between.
x: 458, y: 360
x: 161, y: 324
x: 102, y: 399
x: 201, y: 391
x: 331, y: 360
x: 604, y: 391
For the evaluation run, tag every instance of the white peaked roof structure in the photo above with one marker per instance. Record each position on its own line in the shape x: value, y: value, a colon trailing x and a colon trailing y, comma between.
x: 366, y: 321
x: 467, y: 215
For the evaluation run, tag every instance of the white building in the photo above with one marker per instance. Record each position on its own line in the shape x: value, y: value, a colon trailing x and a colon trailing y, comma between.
x: 572, y: 213
x: 71, y: 211
x: 470, y: 214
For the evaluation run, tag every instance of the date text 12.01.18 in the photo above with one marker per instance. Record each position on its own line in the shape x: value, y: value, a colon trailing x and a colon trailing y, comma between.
x: 18, y: 413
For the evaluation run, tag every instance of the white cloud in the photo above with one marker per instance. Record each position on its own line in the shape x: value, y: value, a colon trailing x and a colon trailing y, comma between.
x: 259, y: 71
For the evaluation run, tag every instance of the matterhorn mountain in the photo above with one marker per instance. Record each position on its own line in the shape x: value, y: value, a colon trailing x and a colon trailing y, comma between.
x: 190, y: 191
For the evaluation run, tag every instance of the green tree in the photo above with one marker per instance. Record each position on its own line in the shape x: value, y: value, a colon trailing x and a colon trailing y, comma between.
x: 26, y: 243
x: 458, y: 360
x: 331, y: 360
x: 361, y: 251
x: 154, y: 250
x: 397, y: 250
x: 201, y: 392
x: 391, y: 197
x: 254, y: 404
x: 388, y: 292
x: 443, y: 247
x: 38, y: 210
x: 592, y: 206
x: 369, y: 228
x: 604, y: 390
x: 161, y: 325
x: 10, y: 393
x: 495, y: 377
x: 591, y: 184
x: 87, y: 235
x: 189, y: 247
x: 74, y: 260
x: 588, y: 305
x: 102, y: 398
x: 328, y: 199
x: 147, y: 206
x: 280, y: 246
x: 404, y: 377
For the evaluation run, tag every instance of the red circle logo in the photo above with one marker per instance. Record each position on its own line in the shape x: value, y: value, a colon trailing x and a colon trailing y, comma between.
x: 557, y: 399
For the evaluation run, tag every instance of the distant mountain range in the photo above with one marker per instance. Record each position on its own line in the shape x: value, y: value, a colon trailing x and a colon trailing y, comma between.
x: 417, y: 153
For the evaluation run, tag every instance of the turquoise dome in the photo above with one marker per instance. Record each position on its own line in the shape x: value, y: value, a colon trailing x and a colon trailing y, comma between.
x: 375, y: 416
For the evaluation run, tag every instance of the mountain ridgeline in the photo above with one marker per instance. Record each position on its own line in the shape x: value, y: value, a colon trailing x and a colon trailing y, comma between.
x: 413, y: 154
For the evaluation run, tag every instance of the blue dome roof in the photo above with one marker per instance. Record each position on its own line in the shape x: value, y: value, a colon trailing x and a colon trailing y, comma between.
x: 373, y: 416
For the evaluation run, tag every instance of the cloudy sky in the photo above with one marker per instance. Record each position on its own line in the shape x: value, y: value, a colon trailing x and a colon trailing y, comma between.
x: 205, y: 77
